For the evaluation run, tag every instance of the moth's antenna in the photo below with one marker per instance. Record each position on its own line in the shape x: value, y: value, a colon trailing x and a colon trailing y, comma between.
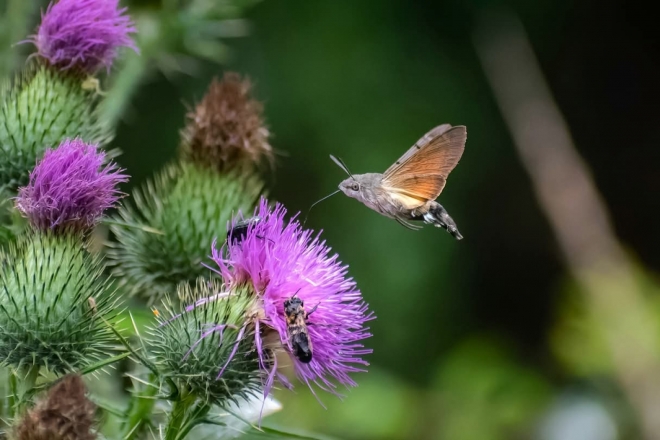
x: 317, y: 202
x: 340, y: 163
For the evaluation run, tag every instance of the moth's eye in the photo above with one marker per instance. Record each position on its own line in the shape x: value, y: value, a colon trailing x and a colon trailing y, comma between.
x: 355, y: 187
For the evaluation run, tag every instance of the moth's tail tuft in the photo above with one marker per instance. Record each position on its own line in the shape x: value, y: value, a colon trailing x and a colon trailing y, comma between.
x: 438, y: 217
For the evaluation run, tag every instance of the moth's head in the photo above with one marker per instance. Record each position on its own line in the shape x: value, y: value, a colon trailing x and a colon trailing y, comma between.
x: 350, y: 187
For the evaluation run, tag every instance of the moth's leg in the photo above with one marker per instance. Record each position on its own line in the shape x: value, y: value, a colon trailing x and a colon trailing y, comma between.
x: 406, y: 224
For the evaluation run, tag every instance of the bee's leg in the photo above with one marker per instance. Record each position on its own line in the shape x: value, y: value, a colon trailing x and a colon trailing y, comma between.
x: 313, y: 310
x: 264, y: 238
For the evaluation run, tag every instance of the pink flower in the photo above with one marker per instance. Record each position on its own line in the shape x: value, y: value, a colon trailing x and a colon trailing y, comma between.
x: 70, y: 188
x: 278, y: 259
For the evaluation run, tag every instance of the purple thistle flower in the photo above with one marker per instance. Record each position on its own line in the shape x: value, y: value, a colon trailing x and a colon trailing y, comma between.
x: 83, y: 34
x: 280, y: 260
x: 70, y: 188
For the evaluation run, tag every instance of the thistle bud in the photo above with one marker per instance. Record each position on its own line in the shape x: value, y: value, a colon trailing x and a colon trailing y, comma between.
x: 208, y: 346
x: 226, y: 129
x: 65, y: 414
x: 46, y: 316
x: 38, y: 111
x: 185, y: 207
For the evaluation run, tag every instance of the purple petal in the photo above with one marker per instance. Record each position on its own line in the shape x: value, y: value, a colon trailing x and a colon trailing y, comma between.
x: 84, y: 34
x: 70, y: 187
x: 278, y: 259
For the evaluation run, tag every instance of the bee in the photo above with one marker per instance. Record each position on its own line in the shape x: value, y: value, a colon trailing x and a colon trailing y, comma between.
x: 238, y: 232
x: 296, y: 320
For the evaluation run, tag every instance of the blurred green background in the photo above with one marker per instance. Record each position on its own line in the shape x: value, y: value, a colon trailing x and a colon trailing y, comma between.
x: 479, y: 339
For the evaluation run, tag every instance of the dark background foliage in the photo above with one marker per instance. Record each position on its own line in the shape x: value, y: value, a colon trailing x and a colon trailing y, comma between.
x: 363, y: 80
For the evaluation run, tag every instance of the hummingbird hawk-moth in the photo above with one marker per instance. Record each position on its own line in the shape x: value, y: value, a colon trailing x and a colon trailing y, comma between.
x: 407, y: 190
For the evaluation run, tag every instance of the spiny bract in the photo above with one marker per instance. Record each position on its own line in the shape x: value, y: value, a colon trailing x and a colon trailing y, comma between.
x: 209, y: 349
x: 53, y: 298
x: 40, y: 109
x: 185, y: 207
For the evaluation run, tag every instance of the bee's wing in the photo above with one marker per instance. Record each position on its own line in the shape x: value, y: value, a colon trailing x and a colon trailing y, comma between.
x: 422, y: 171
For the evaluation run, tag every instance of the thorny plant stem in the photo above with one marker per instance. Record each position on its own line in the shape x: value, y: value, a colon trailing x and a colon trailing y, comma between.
x: 576, y: 212
x: 197, y: 416
x: 8, y: 397
x: 139, y: 414
x: 179, y: 416
x: 26, y: 380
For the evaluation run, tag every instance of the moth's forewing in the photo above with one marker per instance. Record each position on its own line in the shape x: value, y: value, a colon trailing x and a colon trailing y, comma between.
x: 421, y: 173
x: 421, y: 143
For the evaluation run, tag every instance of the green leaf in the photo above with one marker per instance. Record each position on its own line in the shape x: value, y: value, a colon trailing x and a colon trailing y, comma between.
x: 277, y: 433
x: 104, y: 362
x: 107, y: 405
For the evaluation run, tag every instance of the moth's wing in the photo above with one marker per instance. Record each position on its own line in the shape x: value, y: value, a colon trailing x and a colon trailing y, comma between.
x: 422, y: 171
x: 423, y: 141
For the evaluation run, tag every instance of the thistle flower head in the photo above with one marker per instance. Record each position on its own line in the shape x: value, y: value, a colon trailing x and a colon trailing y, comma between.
x: 226, y: 129
x: 70, y: 188
x: 208, y: 347
x: 83, y: 34
x: 65, y: 414
x: 278, y: 260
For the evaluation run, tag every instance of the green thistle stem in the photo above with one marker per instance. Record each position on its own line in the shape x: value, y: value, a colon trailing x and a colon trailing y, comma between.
x: 11, y: 397
x: 7, y: 397
x: 179, y: 416
x: 198, y: 416
x: 140, y: 412
x: 26, y: 380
